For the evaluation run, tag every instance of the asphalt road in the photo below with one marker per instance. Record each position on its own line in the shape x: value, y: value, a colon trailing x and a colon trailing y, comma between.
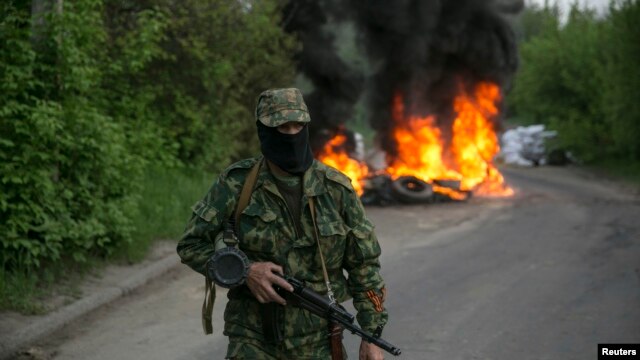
x: 546, y: 274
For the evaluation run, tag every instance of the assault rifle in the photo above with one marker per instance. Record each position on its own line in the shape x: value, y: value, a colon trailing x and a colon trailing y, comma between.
x: 330, y: 310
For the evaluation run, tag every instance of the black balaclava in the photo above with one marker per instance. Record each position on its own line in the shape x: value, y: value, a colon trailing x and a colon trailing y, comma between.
x: 291, y: 152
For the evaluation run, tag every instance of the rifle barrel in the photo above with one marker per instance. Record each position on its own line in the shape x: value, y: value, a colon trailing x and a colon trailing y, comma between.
x: 379, y: 342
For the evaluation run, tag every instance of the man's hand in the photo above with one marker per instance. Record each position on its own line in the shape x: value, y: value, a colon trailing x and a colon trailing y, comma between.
x: 261, y: 279
x: 370, y: 352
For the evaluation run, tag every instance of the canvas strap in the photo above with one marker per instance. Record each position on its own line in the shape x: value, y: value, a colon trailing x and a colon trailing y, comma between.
x: 335, y: 330
x: 245, y: 195
x: 207, y: 305
x: 324, y: 267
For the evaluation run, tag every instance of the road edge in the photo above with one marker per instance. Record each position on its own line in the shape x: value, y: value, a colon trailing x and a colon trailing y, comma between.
x: 56, y: 320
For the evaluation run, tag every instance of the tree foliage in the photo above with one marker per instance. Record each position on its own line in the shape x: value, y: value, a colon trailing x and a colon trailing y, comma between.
x: 620, y: 74
x: 93, y: 92
x: 582, y: 79
x: 208, y: 63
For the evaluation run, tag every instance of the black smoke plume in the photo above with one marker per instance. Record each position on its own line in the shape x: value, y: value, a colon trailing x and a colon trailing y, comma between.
x: 337, y: 87
x: 428, y: 50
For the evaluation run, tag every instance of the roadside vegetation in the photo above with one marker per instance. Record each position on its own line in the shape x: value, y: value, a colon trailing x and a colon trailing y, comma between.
x: 114, y: 118
x: 581, y: 77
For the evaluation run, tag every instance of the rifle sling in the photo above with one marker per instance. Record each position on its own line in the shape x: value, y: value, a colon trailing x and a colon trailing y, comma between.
x: 324, y: 267
x: 245, y: 195
x: 334, y: 329
x: 207, y: 305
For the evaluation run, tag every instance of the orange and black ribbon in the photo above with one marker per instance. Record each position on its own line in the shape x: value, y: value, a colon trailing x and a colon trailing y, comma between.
x: 377, y: 299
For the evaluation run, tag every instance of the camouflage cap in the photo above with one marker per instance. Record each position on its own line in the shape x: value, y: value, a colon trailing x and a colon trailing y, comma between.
x: 278, y: 106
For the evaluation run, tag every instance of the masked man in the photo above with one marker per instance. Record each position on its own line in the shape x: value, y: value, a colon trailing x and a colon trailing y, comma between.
x: 277, y: 233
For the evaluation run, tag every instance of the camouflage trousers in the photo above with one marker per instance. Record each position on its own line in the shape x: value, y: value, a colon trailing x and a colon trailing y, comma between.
x: 248, y: 349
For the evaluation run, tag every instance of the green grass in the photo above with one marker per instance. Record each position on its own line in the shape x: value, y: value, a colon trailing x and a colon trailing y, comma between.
x: 18, y: 292
x: 30, y: 292
x: 621, y: 169
x: 165, y: 206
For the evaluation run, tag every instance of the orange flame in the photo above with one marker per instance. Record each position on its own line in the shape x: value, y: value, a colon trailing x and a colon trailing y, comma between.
x: 420, y: 147
x: 475, y: 143
x: 423, y: 153
x: 333, y: 154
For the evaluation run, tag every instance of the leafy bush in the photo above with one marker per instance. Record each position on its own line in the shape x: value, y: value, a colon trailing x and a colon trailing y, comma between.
x: 97, y: 94
x: 210, y: 61
x: 68, y: 180
x: 621, y: 79
x: 582, y: 79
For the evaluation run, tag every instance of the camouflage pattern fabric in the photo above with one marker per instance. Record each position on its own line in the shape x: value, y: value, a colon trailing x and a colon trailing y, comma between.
x: 240, y: 349
x: 267, y: 233
x: 278, y: 106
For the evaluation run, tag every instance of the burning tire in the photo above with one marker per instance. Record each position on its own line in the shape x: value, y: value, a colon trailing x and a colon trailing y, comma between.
x: 451, y: 184
x: 411, y: 190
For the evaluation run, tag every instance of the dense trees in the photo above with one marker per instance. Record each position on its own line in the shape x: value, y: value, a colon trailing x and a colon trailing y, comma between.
x: 93, y: 92
x: 582, y: 78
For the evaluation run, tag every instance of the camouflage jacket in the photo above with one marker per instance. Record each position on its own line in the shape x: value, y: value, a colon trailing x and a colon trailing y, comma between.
x: 267, y: 233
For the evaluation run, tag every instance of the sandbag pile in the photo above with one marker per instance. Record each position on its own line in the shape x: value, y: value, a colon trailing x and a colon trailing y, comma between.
x: 525, y: 145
